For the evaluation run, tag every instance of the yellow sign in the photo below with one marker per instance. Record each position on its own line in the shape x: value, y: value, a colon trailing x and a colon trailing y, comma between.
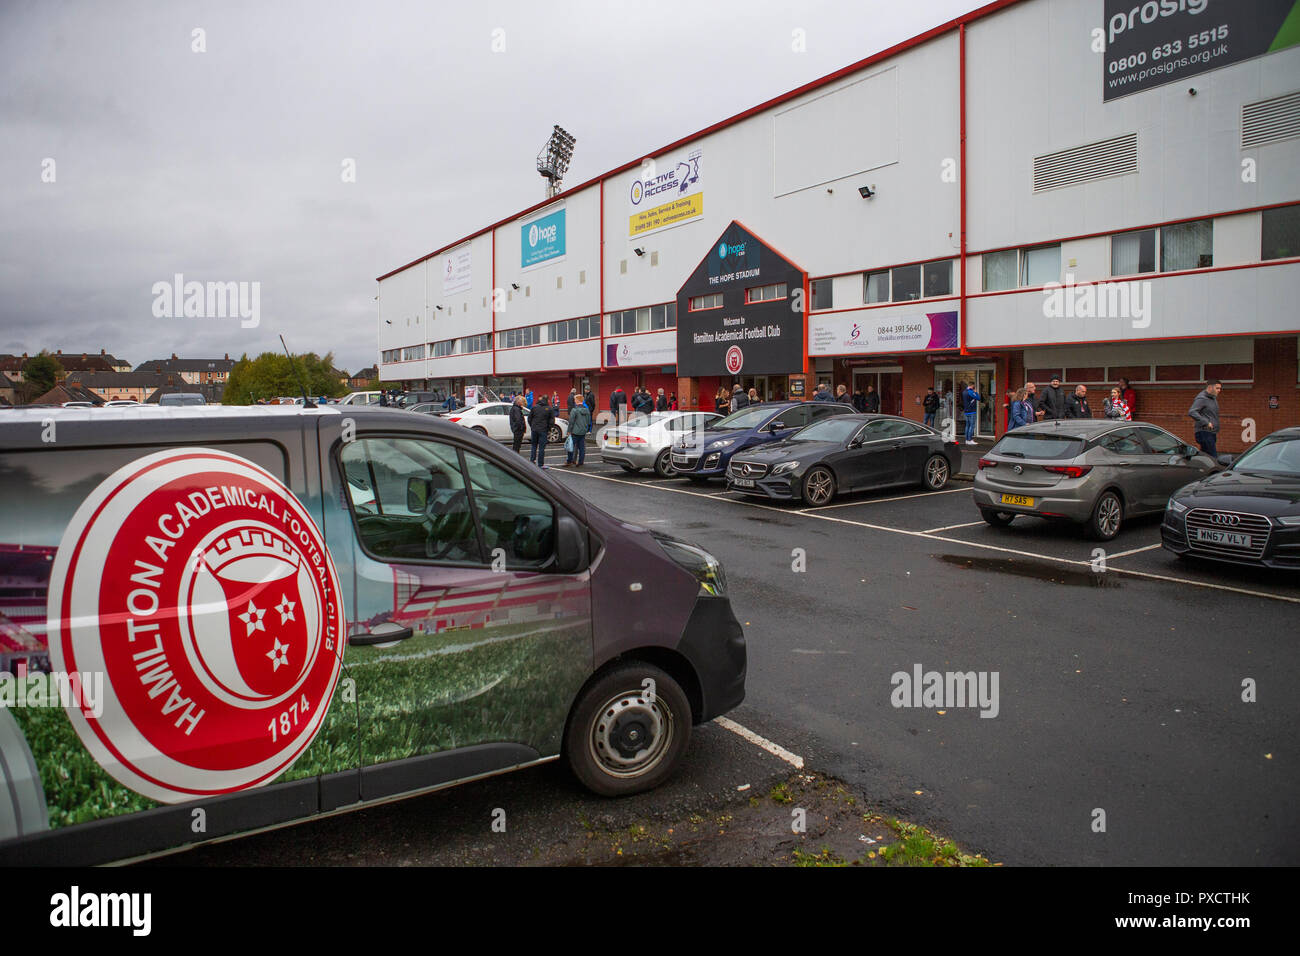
x: 679, y: 210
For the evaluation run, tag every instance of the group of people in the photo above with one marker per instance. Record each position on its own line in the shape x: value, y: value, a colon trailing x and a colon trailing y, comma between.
x: 641, y: 402
x: 535, y: 415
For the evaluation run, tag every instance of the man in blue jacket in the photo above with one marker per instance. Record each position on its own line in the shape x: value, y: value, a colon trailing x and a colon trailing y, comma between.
x: 970, y: 406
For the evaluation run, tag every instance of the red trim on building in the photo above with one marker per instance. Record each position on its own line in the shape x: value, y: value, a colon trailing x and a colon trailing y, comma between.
x: 961, y: 186
x: 600, y: 259
x: 895, y: 305
x: 918, y: 40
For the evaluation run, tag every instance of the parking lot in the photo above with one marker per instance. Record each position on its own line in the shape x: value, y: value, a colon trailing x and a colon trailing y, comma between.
x: 1121, y: 689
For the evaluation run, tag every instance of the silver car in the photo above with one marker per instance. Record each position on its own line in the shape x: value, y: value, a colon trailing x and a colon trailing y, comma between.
x: 644, y: 441
x: 1094, y: 473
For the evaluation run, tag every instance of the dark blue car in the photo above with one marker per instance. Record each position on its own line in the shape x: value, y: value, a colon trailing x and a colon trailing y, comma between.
x: 705, y: 453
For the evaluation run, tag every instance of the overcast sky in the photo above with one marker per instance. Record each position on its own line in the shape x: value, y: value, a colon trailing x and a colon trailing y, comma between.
x: 226, y: 165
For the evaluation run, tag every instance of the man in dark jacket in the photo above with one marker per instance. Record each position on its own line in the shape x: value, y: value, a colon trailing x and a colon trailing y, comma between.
x: 518, y: 422
x: 1076, y: 405
x: 618, y: 404
x: 823, y: 393
x: 579, y: 425
x: 872, y: 400
x: 1205, y: 413
x: 540, y: 420
x: 573, y: 399
x: 1052, y: 401
x: 661, y: 403
x: 930, y: 405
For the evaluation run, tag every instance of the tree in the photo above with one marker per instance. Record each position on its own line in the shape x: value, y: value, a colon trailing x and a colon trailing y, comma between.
x: 271, y: 375
x: 40, y: 374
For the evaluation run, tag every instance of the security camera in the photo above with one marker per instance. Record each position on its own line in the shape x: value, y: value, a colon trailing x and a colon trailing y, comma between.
x: 1191, y: 91
x: 639, y: 251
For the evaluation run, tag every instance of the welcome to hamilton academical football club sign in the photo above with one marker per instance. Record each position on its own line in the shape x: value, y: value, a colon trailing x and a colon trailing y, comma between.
x: 201, y: 589
x: 743, y: 334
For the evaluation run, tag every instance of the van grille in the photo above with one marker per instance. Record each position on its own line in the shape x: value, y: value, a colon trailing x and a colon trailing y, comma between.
x: 1257, y: 526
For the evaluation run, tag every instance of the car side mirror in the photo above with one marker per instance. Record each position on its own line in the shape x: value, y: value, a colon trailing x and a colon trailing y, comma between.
x: 1190, y: 451
x: 417, y: 494
x: 1226, y: 460
x: 570, y: 545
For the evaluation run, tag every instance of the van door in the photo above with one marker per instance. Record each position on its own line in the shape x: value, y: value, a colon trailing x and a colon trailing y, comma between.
x: 180, y: 583
x: 466, y: 640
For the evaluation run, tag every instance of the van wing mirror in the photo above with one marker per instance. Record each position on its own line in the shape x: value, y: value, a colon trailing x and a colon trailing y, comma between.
x: 570, y: 545
x: 418, y: 491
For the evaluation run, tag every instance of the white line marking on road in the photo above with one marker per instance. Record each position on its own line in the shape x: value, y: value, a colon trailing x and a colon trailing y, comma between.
x: 954, y: 527
x: 881, y: 501
x: 1124, y: 554
x: 969, y: 544
x: 776, y: 750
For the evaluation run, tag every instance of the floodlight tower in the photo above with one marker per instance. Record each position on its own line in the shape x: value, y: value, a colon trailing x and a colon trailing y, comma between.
x: 553, y: 160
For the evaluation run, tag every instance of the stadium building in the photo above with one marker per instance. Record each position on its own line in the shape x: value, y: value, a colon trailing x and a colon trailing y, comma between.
x: 1084, y: 188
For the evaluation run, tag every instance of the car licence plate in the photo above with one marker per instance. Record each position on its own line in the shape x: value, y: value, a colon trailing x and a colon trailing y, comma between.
x: 743, y: 482
x: 1231, y: 538
x: 613, y: 442
x: 1018, y: 500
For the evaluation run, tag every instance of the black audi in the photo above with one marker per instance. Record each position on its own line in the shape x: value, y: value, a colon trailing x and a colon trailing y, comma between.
x: 1248, y: 514
x: 842, y: 454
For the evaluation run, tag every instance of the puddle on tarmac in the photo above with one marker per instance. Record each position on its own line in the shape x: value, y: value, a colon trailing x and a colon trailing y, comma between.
x: 1038, y: 570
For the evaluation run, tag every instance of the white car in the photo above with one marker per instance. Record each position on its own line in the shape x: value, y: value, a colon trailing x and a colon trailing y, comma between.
x: 493, y: 419
x: 120, y: 403
x: 643, y: 441
x: 360, y: 398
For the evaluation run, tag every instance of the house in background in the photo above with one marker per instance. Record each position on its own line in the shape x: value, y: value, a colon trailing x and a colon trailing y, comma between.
x: 192, y: 371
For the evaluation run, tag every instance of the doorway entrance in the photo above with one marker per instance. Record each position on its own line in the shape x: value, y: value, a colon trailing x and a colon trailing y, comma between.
x: 888, y: 383
x: 950, y: 381
x: 765, y: 385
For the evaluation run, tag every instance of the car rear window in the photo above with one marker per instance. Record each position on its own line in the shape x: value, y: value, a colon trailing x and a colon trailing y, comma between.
x: 1038, y: 445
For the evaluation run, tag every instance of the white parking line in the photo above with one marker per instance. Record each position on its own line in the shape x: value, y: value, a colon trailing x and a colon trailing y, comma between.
x: 1123, y: 554
x: 953, y: 527
x: 776, y: 750
x: 881, y: 501
x: 968, y: 544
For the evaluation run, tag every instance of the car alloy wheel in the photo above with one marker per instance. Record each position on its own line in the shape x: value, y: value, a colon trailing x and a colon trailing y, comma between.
x: 818, y: 486
x: 480, y: 429
x: 664, y: 464
x: 554, y: 435
x: 936, y: 472
x: 1107, y: 515
x: 998, y: 519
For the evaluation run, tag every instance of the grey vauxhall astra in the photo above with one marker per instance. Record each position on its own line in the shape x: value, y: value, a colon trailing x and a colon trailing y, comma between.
x: 1094, y: 473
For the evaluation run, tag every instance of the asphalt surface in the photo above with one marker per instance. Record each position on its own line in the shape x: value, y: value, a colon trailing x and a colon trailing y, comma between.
x: 1119, y: 691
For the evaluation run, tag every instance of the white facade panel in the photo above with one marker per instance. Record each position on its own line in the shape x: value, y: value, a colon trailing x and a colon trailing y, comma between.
x: 539, y: 297
x: 561, y: 357
x: 1231, y: 302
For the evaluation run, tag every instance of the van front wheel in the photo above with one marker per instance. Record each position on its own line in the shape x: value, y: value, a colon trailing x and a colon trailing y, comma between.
x: 628, y: 730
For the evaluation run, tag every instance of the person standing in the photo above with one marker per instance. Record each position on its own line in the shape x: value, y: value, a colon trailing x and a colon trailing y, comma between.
x: 739, y: 399
x: 1116, y: 408
x: 1076, y: 405
x: 589, y: 398
x: 1031, y: 396
x: 518, y: 422
x: 618, y: 404
x: 930, y: 404
x: 661, y: 403
x: 823, y: 393
x: 872, y: 400
x: 970, y: 407
x: 579, y: 425
x: 529, y: 398
x: 383, y: 399
x: 1205, y: 413
x: 1052, y: 403
x: 753, y: 396
x: 1129, y: 395
x: 540, y: 420
x: 842, y: 395
x: 1021, y: 411
x: 722, y: 401
x: 672, y: 401
x: 573, y: 399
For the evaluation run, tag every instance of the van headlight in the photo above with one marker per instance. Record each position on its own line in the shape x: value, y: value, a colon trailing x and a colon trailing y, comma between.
x: 785, y: 468
x: 704, y: 566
